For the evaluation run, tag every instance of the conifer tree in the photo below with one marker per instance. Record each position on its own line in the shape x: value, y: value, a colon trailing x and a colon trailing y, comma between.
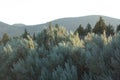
x: 100, y: 26
x: 24, y: 35
x: 118, y: 28
x: 34, y: 36
x: 80, y: 30
x: 109, y: 30
x: 88, y: 28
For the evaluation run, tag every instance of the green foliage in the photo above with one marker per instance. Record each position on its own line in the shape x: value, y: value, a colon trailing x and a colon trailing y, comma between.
x: 59, y: 55
x: 118, y: 28
x: 52, y: 36
x: 25, y: 34
x: 80, y: 30
x: 109, y: 30
x: 34, y: 36
x: 100, y: 26
x: 88, y: 29
x: 14, y: 50
x: 67, y: 73
x: 5, y: 38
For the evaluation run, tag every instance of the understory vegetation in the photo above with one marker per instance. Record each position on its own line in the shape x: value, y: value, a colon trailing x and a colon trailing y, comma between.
x: 55, y: 54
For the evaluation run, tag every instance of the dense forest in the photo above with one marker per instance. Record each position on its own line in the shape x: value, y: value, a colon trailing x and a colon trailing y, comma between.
x: 90, y: 53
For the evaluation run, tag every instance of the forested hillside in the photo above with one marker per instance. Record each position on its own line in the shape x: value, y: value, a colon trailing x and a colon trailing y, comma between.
x: 56, y: 54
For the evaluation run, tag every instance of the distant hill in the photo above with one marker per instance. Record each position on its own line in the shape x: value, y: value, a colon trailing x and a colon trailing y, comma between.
x: 70, y: 24
x: 73, y: 22
x: 19, y: 25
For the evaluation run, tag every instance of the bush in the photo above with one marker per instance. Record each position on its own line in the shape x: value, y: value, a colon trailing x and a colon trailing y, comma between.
x: 59, y: 55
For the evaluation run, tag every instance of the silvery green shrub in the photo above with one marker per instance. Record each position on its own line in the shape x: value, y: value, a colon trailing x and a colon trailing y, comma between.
x: 59, y: 55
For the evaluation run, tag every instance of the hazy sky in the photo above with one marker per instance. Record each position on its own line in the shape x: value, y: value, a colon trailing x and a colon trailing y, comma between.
x: 40, y: 11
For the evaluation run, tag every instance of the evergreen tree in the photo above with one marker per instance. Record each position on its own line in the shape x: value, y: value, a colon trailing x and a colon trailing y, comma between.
x: 109, y: 30
x: 5, y: 38
x: 118, y: 28
x: 80, y: 30
x: 34, y: 36
x: 25, y: 34
x: 88, y: 28
x: 100, y: 26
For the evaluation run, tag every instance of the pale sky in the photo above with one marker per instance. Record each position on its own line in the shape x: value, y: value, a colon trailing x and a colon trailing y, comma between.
x: 32, y: 12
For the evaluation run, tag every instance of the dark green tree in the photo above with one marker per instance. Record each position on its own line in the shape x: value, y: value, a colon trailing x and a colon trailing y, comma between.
x: 88, y: 28
x: 5, y: 38
x: 24, y: 35
x: 80, y: 30
x: 118, y: 28
x: 109, y: 30
x: 100, y: 26
x: 34, y: 36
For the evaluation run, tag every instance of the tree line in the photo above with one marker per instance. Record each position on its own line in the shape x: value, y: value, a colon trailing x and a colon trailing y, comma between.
x: 99, y: 28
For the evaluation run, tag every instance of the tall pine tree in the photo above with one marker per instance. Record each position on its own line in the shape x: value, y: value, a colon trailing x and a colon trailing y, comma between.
x: 100, y: 26
x: 88, y: 28
x: 80, y: 30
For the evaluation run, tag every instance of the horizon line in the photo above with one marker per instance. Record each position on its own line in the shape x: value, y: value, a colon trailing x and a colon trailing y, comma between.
x: 58, y: 19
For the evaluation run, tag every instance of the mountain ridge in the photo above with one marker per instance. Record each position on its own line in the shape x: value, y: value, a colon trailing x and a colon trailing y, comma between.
x: 70, y: 23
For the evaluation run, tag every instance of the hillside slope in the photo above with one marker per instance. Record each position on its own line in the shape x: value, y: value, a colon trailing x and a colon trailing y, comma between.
x: 69, y: 23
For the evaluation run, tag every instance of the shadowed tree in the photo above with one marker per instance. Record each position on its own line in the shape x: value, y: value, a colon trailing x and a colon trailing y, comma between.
x: 24, y: 35
x: 88, y: 28
x: 100, y: 26
x: 118, y: 28
x: 34, y: 36
x: 80, y: 30
x: 109, y: 30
